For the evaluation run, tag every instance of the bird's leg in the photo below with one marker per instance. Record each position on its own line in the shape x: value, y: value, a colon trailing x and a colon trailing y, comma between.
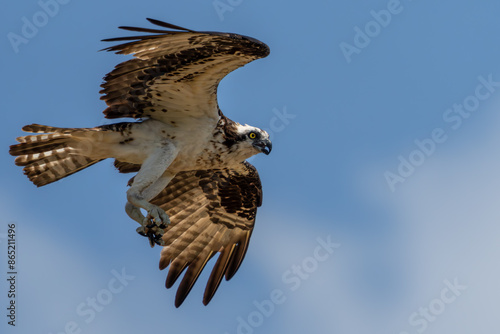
x: 154, y: 224
x: 151, y: 179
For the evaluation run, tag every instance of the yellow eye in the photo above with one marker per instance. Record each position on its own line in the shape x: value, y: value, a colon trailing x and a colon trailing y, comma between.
x: 252, y: 135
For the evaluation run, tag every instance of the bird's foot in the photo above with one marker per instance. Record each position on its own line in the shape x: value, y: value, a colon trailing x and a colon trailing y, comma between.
x: 153, y: 226
x: 158, y: 217
x: 153, y: 234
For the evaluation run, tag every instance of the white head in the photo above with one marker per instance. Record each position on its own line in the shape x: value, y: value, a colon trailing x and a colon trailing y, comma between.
x: 247, y: 140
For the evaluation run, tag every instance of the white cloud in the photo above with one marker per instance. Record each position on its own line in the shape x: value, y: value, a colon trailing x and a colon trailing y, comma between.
x: 450, y: 213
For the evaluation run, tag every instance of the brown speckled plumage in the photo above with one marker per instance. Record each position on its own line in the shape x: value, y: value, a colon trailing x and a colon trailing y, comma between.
x: 180, y: 138
x: 221, y: 203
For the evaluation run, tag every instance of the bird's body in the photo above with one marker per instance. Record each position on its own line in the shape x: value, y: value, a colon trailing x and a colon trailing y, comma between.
x: 134, y: 142
x: 189, y: 157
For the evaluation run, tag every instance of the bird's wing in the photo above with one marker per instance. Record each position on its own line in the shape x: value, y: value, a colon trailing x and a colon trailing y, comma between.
x: 211, y: 211
x: 174, y: 72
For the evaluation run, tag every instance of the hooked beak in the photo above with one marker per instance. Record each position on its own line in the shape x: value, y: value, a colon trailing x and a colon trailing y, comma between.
x: 265, y: 146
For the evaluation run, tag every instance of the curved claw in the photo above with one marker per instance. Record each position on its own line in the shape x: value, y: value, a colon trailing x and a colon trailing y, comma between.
x: 141, y: 230
x: 151, y: 238
x: 153, y: 233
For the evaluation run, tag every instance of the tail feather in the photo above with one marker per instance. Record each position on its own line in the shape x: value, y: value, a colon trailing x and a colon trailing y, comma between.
x: 38, y: 128
x: 24, y: 149
x: 50, y: 156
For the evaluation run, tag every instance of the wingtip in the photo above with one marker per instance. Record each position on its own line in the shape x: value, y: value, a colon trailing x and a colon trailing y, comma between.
x: 207, y: 299
x: 169, y: 282
x: 179, y: 299
x: 163, y: 263
x: 167, y: 25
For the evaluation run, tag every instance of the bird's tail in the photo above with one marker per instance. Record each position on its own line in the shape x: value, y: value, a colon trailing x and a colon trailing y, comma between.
x: 54, y: 153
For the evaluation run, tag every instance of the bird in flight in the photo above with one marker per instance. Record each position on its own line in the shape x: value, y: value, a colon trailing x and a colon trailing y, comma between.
x: 199, y: 193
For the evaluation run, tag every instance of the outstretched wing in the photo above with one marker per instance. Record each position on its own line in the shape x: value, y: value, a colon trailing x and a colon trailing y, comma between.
x: 175, y: 73
x: 211, y: 211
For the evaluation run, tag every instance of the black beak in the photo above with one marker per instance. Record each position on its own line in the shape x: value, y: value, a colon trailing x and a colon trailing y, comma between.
x: 265, y: 146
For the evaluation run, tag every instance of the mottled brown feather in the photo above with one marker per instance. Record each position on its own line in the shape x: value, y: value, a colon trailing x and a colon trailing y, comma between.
x: 222, y: 222
x: 52, y: 154
x: 151, y: 84
x: 217, y: 273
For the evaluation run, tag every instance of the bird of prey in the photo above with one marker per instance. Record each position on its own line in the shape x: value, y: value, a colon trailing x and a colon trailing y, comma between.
x: 200, y: 194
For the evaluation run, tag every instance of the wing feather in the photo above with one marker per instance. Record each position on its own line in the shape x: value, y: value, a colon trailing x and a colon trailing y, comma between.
x: 217, y: 273
x: 238, y: 255
x: 211, y: 211
x: 188, y: 255
x: 175, y: 73
x: 175, y: 247
x: 166, y: 25
x: 191, y: 276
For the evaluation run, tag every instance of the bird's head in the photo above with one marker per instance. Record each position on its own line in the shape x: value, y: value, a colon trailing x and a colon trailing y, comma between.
x: 252, y: 140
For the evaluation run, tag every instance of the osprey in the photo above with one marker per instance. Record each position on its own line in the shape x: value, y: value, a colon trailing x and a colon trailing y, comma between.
x: 200, y: 194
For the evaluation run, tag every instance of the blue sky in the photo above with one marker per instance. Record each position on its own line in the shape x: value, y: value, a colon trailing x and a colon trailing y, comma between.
x: 389, y: 153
